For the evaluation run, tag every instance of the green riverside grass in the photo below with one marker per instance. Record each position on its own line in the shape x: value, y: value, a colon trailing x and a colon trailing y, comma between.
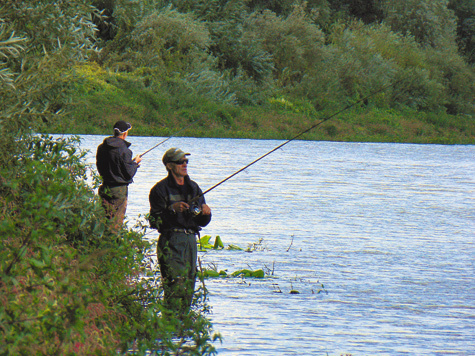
x: 102, y: 97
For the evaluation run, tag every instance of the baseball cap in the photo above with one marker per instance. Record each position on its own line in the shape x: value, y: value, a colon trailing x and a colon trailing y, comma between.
x: 122, y: 126
x: 173, y: 155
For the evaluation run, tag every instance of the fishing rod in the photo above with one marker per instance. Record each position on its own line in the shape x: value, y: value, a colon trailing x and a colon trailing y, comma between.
x: 295, y: 137
x: 169, y: 137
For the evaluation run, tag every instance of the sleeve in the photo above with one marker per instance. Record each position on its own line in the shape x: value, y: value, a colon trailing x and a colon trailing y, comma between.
x: 129, y: 165
x: 158, y: 207
x: 202, y: 220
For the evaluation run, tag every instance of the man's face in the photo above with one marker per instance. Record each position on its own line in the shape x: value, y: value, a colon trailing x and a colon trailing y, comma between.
x: 179, y: 168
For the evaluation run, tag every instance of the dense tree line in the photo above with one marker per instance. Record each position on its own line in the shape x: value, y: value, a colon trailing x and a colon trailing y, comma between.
x: 324, y: 51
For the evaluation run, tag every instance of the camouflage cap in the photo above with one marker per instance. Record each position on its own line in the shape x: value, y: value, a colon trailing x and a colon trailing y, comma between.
x: 173, y: 155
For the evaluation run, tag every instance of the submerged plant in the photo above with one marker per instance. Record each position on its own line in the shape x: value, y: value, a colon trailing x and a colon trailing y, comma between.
x: 256, y: 246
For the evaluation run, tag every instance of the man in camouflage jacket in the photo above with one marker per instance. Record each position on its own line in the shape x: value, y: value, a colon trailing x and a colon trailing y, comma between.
x: 178, y: 211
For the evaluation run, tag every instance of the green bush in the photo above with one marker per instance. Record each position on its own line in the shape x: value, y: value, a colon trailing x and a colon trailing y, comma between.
x: 294, y: 42
x: 457, y: 79
x: 429, y: 21
x: 168, y: 38
x: 69, y: 284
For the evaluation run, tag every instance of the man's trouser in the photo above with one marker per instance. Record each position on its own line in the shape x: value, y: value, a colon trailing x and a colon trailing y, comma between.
x: 177, y: 254
x: 114, y: 201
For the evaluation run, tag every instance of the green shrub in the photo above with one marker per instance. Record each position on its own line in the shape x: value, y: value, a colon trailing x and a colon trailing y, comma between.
x: 457, y: 78
x: 429, y: 21
x: 294, y: 42
x: 69, y: 284
x: 168, y: 38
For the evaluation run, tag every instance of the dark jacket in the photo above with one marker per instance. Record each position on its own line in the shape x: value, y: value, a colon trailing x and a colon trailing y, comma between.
x: 164, y: 194
x: 114, y: 162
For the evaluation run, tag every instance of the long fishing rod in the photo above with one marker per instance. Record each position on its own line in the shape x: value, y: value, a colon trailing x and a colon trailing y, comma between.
x: 296, y: 136
x: 169, y: 137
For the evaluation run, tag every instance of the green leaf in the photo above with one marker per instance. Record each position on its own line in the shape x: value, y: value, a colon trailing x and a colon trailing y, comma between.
x: 258, y: 273
x: 211, y: 273
x: 218, y: 243
x: 234, y: 247
x: 37, y: 267
x: 36, y: 263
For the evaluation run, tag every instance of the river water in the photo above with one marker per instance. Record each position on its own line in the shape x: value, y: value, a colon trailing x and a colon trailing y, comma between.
x: 377, y: 239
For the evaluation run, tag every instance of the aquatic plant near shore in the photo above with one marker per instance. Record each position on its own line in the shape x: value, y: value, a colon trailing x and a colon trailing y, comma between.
x: 211, y: 273
x: 204, y: 244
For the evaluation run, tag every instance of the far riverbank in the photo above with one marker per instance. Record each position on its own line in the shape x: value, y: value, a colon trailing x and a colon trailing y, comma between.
x: 360, y: 124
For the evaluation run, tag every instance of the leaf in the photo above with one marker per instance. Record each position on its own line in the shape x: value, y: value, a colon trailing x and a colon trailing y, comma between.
x: 37, y: 266
x: 204, y: 243
x: 212, y: 273
x: 205, y: 240
x: 218, y: 243
x: 36, y: 263
x: 234, y: 247
x: 242, y: 272
x: 259, y: 273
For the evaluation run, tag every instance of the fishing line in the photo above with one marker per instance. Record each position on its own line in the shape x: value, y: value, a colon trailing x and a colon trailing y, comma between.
x: 296, y: 136
x: 173, y: 135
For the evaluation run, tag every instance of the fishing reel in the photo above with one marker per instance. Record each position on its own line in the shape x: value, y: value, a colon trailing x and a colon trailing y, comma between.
x: 194, y: 209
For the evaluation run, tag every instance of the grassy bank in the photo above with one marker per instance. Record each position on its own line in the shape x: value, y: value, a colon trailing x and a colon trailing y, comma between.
x: 101, y: 97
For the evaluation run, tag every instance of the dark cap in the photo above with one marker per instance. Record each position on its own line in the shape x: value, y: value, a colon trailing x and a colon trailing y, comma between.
x: 173, y: 155
x: 122, y: 127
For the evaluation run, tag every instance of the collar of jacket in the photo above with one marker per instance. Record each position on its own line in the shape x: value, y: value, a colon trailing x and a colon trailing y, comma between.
x: 114, y: 141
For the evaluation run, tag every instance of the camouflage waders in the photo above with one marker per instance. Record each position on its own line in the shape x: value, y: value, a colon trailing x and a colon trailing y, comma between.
x: 114, y: 201
x: 177, y: 254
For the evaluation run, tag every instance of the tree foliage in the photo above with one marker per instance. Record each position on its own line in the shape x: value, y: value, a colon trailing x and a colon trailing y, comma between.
x: 292, y: 47
x: 54, y: 35
x: 465, y: 12
x: 429, y: 21
x: 294, y: 42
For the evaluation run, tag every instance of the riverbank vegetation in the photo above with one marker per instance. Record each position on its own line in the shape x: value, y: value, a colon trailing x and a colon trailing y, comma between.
x: 215, y: 68
x: 257, y: 69
x: 69, y: 284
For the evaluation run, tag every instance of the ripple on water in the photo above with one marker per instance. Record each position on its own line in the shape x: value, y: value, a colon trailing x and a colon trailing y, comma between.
x: 383, y: 231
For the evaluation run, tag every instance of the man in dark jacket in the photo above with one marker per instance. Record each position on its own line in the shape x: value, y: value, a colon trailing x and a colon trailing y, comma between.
x: 178, y: 211
x: 117, y: 169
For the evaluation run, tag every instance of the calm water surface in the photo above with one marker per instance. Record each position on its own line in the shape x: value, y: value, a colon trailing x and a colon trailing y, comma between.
x: 378, y: 239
